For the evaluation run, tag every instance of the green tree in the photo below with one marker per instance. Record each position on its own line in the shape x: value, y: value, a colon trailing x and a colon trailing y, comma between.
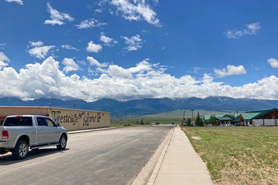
x: 198, y: 120
x: 142, y: 121
x: 212, y: 120
x: 188, y: 121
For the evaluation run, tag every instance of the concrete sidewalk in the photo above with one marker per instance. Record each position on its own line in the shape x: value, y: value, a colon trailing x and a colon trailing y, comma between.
x: 179, y: 164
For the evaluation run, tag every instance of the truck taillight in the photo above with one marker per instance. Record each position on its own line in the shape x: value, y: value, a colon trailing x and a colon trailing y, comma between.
x: 5, y: 134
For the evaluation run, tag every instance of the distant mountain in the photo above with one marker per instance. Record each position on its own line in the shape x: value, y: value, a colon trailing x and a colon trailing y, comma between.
x: 149, y: 106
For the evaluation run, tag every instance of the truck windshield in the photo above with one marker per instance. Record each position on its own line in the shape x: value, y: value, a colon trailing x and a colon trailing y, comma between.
x: 21, y: 121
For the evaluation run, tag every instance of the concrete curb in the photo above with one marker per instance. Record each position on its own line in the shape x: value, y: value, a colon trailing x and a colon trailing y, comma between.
x: 143, y: 178
x: 90, y: 130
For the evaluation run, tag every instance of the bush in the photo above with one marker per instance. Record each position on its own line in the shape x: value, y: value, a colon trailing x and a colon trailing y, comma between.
x: 142, y: 121
x: 188, y: 121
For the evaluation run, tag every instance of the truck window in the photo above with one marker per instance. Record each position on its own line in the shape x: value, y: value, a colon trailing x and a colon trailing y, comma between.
x: 41, y: 122
x: 18, y: 121
x: 50, y: 123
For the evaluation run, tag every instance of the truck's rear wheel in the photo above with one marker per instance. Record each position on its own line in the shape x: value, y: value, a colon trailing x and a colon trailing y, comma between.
x: 62, y: 143
x: 21, y: 149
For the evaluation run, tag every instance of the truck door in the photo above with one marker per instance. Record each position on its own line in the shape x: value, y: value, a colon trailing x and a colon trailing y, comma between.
x: 43, y: 131
x: 54, y: 133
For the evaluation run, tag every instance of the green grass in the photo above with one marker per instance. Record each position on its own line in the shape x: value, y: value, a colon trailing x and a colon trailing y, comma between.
x: 238, y: 155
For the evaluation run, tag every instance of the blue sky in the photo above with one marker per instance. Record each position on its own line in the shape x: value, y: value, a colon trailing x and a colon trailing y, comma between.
x: 132, y: 49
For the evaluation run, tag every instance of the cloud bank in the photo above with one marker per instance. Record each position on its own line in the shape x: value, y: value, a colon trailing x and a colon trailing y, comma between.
x: 144, y: 80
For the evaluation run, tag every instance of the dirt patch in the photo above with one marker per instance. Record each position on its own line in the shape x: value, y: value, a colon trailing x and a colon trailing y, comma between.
x: 196, y: 137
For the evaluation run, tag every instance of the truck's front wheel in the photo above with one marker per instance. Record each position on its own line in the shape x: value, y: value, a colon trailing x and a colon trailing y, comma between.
x: 62, y: 143
x: 21, y: 149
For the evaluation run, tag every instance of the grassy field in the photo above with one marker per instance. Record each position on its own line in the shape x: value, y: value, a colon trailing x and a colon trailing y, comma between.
x: 238, y: 155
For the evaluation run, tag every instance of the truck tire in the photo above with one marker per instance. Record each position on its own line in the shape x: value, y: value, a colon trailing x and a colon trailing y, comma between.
x: 62, y: 143
x: 21, y: 149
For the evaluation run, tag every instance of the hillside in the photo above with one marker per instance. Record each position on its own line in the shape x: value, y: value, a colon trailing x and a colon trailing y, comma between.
x: 150, y: 106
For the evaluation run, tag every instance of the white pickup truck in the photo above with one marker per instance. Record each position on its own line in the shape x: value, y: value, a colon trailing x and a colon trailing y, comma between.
x: 19, y: 133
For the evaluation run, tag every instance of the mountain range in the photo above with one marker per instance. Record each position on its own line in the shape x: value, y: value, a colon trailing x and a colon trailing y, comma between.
x: 149, y: 106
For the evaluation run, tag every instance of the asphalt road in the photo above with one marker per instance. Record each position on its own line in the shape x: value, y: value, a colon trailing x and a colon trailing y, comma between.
x: 108, y: 157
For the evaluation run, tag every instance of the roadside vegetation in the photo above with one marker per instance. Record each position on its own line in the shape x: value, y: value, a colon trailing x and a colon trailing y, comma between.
x: 136, y: 121
x: 238, y: 155
x: 161, y: 118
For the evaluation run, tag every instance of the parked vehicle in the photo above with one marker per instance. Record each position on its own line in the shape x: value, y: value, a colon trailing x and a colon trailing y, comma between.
x: 237, y: 124
x: 18, y: 134
x: 192, y: 124
x: 154, y: 123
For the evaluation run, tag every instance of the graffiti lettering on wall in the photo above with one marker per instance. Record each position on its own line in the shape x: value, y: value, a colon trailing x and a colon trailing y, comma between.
x: 89, y: 118
x: 73, y: 119
x: 56, y: 116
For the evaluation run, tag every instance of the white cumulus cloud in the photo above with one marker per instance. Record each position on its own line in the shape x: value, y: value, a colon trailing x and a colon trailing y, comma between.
x: 92, y: 47
x: 69, y: 47
x: 35, y: 44
x: 250, y: 29
x: 57, y: 17
x: 90, y: 23
x: 16, y: 1
x: 136, y: 10
x: 40, y: 52
x: 144, y: 80
x: 231, y: 70
x: 133, y: 43
x: 94, y: 62
x: 3, y: 58
x: 115, y: 71
x: 141, y: 67
x: 273, y: 62
x: 70, y: 65
x: 107, y: 40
